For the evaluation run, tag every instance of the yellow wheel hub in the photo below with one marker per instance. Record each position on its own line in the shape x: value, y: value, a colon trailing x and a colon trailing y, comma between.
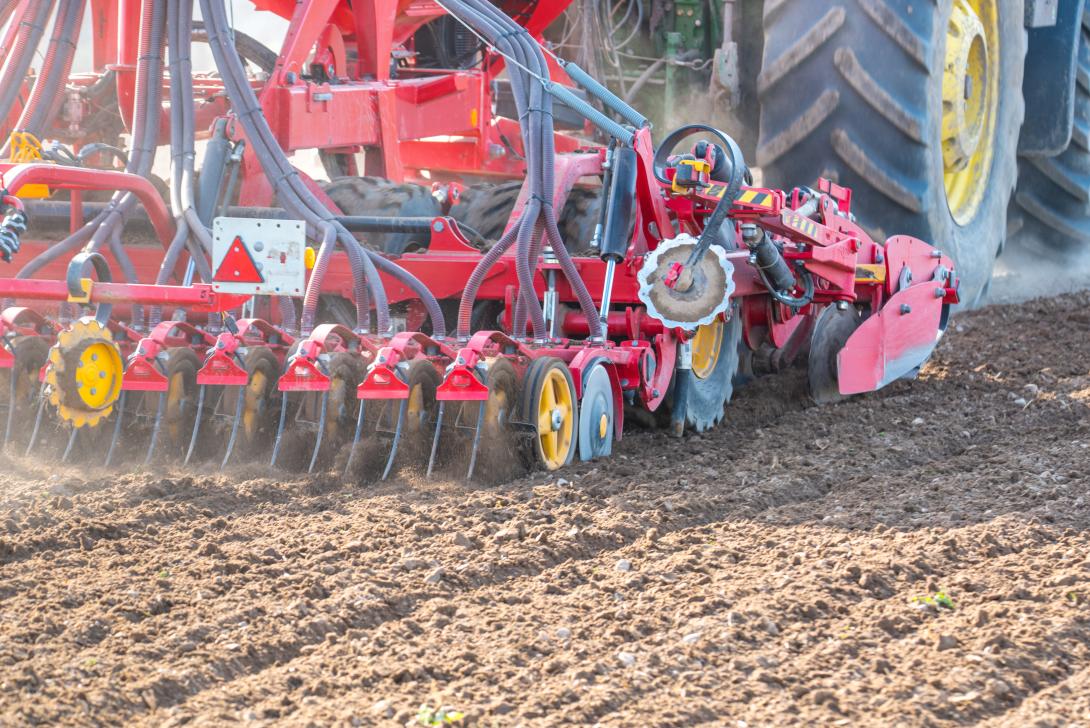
x: 970, y: 102
x: 555, y: 419
x: 84, y: 374
x: 706, y: 344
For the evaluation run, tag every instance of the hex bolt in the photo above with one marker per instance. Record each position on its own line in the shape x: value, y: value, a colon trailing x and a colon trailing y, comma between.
x: 940, y: 292
x: 905, y: 308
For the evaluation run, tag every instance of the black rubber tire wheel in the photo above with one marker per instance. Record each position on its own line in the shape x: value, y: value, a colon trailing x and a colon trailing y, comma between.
x: 532, y: 391
x: 487, y: 207
x: 1053, y: 194
x: 258, y: 439
x: 383, y: 198
x: 852, y: 90
x: 499, y: 458
x: 176, y: 428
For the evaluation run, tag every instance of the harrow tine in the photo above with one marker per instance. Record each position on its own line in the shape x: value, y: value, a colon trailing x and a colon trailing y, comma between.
x: 476, y: 442
x: 397, y: 438
x: 197, y: 425
x: 279, y: 430
x: 71, y: 443
x: 435, y: 439
x: 234, y: 428
x: 355, y: 438
x: 321, y: 431
x: 155, y: 427
x: 11, y: 408
x: 37, y: 421
x: 117, y: 429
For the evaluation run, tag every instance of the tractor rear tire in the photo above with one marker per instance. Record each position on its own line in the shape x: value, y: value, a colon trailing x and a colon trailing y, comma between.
x: 383, y: 198
x: 1053, y: 195
x: 853, y: 90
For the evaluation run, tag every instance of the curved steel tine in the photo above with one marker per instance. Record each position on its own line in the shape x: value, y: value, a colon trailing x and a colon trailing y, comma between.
x: 117, y: 429
x: 155, y: 427
x: 435, y: 439
x: 71, y: 443
x: 279, y: 430
x: 196, y: 424
x: 321, y: 431
x: 397, y: 438
x: 234, y: 427
x: 37, y: 420
x: 11, y: 408
x: 355, y: 438
x: 476, y: 442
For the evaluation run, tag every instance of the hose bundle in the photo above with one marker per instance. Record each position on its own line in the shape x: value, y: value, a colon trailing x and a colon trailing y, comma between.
x: 294, y: 195
x: 537, y: 222
x: 106, y: 227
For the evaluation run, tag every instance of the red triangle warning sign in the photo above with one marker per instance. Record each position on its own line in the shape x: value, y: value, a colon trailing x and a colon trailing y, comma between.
x: 238, y: 266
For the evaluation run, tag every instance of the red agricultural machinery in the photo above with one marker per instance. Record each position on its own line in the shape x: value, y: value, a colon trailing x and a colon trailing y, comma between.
x: 243, y: 309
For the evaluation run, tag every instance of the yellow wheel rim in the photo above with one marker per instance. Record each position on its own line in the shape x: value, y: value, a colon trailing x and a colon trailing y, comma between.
x: 251, y: 408
x: 98, y: 376
x: 970, y: 102
x: 555, y: 419
x: 706, y: 344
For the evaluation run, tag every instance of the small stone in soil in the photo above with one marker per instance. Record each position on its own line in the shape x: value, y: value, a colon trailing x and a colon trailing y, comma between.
x: 623, y: 565
x: 946, y: 642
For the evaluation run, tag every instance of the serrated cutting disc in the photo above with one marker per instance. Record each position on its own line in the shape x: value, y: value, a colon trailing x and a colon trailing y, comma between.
x: 709, y: 295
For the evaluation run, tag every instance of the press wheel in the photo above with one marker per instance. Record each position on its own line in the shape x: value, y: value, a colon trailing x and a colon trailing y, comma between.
x: 597, y: 413
x: 550, y: 407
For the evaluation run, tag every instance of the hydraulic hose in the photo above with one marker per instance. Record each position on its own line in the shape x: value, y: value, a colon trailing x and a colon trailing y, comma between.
x: 29, y: 35
x: 476, y: 280
x: 47, y: 95
x: 286, y: 181
x: 282, y: 176
x: 512, y: 39
x: 314, y: 286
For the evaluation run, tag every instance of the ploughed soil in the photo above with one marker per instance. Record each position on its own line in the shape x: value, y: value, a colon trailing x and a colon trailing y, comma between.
x: 914, y: 557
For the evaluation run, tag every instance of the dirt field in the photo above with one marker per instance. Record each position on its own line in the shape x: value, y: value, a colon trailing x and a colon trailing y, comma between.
x: 766, y: 574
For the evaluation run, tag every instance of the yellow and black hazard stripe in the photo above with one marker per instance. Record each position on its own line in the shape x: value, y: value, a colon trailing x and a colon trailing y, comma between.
x: 804, y: 225
x: 756, y: 198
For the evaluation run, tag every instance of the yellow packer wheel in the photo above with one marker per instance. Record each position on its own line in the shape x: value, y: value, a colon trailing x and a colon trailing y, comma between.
x: 84, y: 376
x: 551, y: 408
